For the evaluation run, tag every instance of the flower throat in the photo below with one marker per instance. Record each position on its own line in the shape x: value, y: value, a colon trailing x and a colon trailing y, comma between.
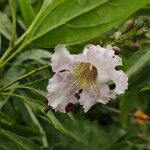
x: 85, y: 75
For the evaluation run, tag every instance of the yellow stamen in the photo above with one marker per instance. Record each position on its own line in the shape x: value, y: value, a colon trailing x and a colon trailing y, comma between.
x: 85, y: 75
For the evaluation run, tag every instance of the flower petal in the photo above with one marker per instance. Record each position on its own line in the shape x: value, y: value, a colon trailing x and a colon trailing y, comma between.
x: 105, y: 61
x: 60, y: 59
x: 121, y: 81
x: 61, y: 91
x: 87, y: 100
x: 106, y: 94
x: 101, y: 94
x: 102, y: 59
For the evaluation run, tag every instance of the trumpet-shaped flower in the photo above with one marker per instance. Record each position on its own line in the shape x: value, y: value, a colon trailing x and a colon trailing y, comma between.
x: 86, y: 78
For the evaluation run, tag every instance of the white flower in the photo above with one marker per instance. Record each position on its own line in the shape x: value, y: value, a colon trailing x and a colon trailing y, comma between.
x: 84, y: 78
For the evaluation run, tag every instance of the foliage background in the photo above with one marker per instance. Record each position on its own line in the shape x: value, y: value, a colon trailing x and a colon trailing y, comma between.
x: 29, y: 30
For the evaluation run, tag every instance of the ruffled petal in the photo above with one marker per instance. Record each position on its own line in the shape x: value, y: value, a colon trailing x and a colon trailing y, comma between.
x: 106, y: 94
x: 116, y: 60
x: 101, y: 94
x: 105, y: 61
x: 121, y: 81
x: 61, y: 59
x: 87, y: 100
x: 61, y: 91
x: 100, y: 58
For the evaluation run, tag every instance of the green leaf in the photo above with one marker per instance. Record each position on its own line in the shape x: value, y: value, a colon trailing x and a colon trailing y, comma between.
x: 31, y: 120
x: 5, y: 26
x: 143, y: 146
x: 0, y: 42
x: 5, y: 118
x: 2, y: 147
x: 34, y: 104
x: 4, y: 99
x: 122, y: 8
x: 51, y: 15
x: 117, y: 146
x: 59, y: 127
x: 38, y: 91
x: 56, y: 123
x: 147, y: 88
x: 126, y: 104
x: 69, y: 36
x: 27, y: 11
x: 21, y: 130
x: 75, y: 25
x: 38, y: 106
x: 13, y: 141
x: 38, y: 55
x: 12, y: 126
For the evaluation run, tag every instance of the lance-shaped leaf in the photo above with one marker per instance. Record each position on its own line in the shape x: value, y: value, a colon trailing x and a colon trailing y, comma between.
x: 76, y: 21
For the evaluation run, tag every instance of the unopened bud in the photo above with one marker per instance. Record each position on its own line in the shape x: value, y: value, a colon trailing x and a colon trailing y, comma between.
x: 141, y: 32
x: 138, y: 24
x: 117, y: 34
x: 141, y: 117
x: 128, y: 25
x: 147, y: 34
x: 116, y: 50
x: 134, y: 46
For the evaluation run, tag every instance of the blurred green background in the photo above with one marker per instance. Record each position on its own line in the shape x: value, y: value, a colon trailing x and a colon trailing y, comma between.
x: 29, y: 31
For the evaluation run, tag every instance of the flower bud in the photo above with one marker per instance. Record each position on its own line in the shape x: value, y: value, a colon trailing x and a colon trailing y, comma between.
x: 116, y: 50
x: 138, y: 24
x: 141, y: 117
x: 134, y: 46
x: 128, y: 25
x: 141, y: 32
x: 147, y: 35
x: 117, y: 35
